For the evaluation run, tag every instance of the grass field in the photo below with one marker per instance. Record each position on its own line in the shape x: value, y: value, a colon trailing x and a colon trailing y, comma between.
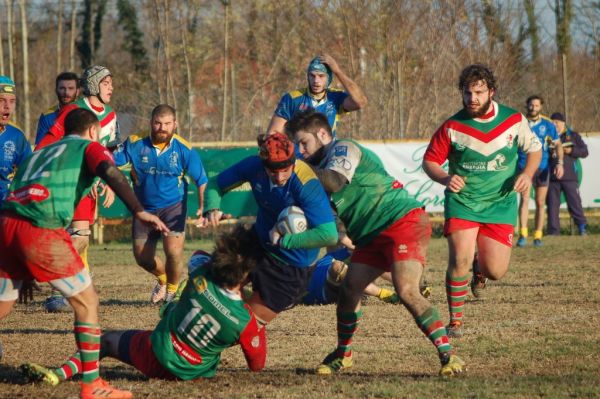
x: 534, y: 335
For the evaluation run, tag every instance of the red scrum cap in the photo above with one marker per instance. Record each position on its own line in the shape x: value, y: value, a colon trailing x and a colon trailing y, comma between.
x: 277, y: 152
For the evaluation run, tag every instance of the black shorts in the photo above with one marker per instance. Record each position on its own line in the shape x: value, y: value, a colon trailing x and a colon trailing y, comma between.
x: 541, y: 178
x: 173, y: 216
x: 280, y: 286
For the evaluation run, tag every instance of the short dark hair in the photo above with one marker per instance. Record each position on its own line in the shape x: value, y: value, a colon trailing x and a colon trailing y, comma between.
x: 473, y: 74
x: 534, y: 97
x: 79, y: 120
x: 235, y: 255
x: 163, y: 109
x: 68, y: 76
x: 309, y: 121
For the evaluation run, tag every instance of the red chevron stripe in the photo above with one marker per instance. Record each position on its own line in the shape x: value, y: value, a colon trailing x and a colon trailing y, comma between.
x: 481, y: 136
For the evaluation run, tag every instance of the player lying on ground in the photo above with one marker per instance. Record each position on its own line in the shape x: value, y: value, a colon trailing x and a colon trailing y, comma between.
x: 209, y: 317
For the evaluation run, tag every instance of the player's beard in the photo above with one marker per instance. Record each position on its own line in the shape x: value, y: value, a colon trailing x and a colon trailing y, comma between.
x: 479, y: 112
x: 531, y: 114
x: 156, y: 139
x: 66, y: 100
x: 317, y: 156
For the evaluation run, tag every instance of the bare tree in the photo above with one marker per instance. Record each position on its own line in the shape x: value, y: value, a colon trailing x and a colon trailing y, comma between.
x: 10, y: 38
x: 226, y: 5
x: 24, y: 43
x: 73, y: 35
x: 59, y: 34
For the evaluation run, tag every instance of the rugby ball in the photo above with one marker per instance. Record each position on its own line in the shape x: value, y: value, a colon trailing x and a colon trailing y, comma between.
x: 291, y: 220
x: 198, y: 259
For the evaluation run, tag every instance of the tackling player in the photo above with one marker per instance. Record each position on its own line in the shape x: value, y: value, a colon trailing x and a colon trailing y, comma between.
x: 209, y: 317
x: 35, y: 245
x: 278, y: 180
x: 389, y: 229
x: 480, y: 206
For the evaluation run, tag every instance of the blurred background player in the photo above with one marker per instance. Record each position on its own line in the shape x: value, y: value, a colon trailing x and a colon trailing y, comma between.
x: 545, y: 131
x: 278, y: 181
x: 14, y: 146
x: 67, y: 91
x: 160, y: 163
x: 33, y: 238
x: 389, y: 229
x: 96, y: 83
x: 480, y: 206
x: 195, y: 328
x: 573, y: 149
x: 318, y: 95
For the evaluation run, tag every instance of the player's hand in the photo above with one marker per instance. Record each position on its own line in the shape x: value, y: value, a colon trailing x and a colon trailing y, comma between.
x: 559, y: 171
x: 523, y: 183
x: 94, y: 191
x: 274, y: 236
x: 346, y: 241
x: 109, y: 195
x: 213, y: 217
x: 201, y: 221
x: 330, y: 62
x: 456, y: 183
x: 152, y: 220
x: 26, y: 291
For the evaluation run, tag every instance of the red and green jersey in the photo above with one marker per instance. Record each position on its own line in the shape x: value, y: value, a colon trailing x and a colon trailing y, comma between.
x: 484, y: 152
x: 51, y: 182
x: 188, y: 341
x: 372, y: 200
x: 109, y: 129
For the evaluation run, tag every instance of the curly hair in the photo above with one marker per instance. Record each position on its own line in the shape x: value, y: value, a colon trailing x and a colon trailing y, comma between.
x: 474, y: 73
x: 235, y: 255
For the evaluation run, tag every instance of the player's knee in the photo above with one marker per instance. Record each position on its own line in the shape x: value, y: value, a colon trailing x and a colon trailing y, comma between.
x: 109, y: 344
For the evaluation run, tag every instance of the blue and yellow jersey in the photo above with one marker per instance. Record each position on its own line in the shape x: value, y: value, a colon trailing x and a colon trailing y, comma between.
x: 546, y: 132
x: 15, y: 148
x: 45, y: 122
x: 159, y: 175
x: 300, y: 100
x: 303, y: 189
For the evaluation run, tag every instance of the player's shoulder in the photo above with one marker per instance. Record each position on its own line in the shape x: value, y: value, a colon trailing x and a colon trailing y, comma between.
x: 304, y: 172
x: 137, y: 138
x: 16, y: 129
x: 50, y: 111
x: 183, y: 142
x: 505, y: 112
x: 294, y: 94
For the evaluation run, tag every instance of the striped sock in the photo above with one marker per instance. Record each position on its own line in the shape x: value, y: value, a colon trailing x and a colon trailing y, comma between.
x: 456, y: 292
x: 70, y: 368
x: 431, y: 325
x: 88, y: 342
x: 347, y: 323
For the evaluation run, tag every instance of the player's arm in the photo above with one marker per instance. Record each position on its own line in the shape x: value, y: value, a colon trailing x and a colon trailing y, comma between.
x: 559, y: 169
x: 277, y: 124
x: 579, y: 149
x: 99, y: 161
x: 357, y: 98
x: 319, y: 216
x: 57, y: 130
x: 435, y: 156
x: 220, y: 184
x: 196, y: 171
x: 530, y: 144
x: 254, y: 345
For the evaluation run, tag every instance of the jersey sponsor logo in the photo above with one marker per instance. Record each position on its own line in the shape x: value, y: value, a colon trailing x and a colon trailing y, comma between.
x: 255, y: 342
x: 341, y: 150
x: 509, y: 141
x: 185, y: 351
x: 497, y: 164
x: 173, y: 158
x: 144, y: 159
x: 9, y: 151
x: 402, y: 249
x: 28, y: 194
x: 397, y: 185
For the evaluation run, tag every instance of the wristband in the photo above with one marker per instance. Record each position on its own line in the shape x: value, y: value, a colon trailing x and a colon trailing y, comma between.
x: 560, y: 162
